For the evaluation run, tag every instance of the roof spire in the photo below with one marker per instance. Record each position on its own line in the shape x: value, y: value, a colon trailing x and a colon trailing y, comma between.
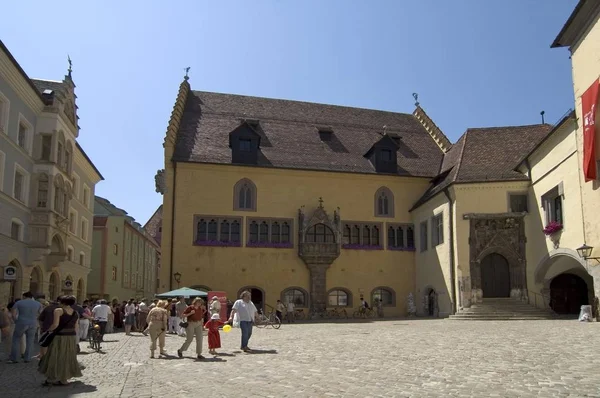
x: 186, y: 77
x: 70, y: 65
x: 542, y: 114
x: 416, y: 97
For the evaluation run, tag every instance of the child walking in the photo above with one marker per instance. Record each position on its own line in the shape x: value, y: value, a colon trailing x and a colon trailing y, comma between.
x: 214, y: 338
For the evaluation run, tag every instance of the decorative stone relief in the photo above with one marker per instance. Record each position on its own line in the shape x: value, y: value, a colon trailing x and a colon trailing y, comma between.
x: 503, y: 234
x: 160, y: 182
x: 318, y: 256
x: 411, y: 308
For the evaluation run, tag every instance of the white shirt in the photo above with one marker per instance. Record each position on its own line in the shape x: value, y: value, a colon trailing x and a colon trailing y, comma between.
x: 143, y: 307
x: 290, y: 307
x: 100, y: 312
x: 130, y: 309
x: 246, y: 311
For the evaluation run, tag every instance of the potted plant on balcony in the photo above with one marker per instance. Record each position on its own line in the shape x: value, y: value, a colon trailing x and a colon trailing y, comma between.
x: 553, y: 230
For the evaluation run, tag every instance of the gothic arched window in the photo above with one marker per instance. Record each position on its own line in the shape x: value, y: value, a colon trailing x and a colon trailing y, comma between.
x: 244, y: 195
x: 384, y: 203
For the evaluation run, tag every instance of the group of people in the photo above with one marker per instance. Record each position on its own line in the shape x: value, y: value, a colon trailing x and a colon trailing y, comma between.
x: 59, y: 326
x: 191, y: 321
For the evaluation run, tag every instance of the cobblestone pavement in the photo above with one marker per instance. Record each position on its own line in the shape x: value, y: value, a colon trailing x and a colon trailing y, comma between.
x: 403, y: 358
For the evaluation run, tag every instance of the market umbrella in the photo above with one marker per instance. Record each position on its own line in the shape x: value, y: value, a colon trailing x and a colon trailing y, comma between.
x: 186, y: 292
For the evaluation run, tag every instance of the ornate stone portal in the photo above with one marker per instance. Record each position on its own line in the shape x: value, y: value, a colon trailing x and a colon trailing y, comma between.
x: 502, y: 234
x: 319, y: 243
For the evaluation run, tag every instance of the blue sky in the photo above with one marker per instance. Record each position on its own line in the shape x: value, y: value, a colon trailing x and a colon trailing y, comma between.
x: 474, y: 63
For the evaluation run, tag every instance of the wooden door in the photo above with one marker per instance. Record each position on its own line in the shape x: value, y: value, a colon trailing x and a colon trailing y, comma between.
x: 495, y: 276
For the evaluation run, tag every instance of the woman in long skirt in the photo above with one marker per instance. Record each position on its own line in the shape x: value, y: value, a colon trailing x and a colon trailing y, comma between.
x: 59, y: 364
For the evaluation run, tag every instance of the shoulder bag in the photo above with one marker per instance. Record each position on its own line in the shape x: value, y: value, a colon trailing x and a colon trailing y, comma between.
x: 47, y: 337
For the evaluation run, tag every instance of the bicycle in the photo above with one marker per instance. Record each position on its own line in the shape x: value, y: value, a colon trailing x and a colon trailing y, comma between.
x: 299, y: 314
x: 268, y: 320
x: 335, y: 312
x: 318, y: 313
x: 94, y: 337
x: 362, y: 312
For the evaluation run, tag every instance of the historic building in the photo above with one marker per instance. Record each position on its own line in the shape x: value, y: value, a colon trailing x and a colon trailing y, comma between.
x: 47, y: 183
x: 125, y: 258
x: 324, y: 204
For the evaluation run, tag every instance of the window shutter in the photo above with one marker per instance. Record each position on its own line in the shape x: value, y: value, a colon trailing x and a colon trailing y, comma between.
x: 561, y: 189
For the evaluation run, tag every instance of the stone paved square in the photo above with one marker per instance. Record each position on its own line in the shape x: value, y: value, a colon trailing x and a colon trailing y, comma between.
x: 392, y: 358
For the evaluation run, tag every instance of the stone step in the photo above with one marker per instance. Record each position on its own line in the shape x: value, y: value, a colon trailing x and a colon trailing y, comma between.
x: 502, y: 309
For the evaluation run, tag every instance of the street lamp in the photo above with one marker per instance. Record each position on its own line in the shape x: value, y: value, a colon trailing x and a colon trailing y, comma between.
x: 177, y: 277
x: 585, y: 252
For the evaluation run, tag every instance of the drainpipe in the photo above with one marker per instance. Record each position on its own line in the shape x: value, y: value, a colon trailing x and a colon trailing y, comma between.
x: 451, y: 244
x: 172, y: 224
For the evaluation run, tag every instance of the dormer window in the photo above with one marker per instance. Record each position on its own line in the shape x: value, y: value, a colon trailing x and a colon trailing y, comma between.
x: 245, y: 144
x: 383, y: 155
x: 386, y: 155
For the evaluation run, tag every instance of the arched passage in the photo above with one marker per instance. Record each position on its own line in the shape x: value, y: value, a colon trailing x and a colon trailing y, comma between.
x: 56, y: 246
x: 568, y: 292
x: 257, y: 296
x: 495, y: 276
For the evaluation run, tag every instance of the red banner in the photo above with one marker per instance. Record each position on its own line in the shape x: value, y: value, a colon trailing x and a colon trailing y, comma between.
x: 222, y: 299
x: 589, y: 105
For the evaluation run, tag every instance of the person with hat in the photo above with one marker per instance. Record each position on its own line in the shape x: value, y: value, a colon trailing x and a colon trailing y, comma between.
x: 214, y: 338
x: 215, y: 306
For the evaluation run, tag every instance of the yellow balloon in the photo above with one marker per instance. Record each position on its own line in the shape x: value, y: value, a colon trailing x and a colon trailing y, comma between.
x: 227, y: 328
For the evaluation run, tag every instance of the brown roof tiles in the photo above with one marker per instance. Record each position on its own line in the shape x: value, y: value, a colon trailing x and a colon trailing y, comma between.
x: 290, y: 134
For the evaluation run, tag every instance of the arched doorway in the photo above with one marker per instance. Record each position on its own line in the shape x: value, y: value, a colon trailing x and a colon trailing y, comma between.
x: 431, y: 302
x: 53, y: 286
x: 257, y: 296
x: 495, y: 276
x: 568, y: 292
x: 35, y: 282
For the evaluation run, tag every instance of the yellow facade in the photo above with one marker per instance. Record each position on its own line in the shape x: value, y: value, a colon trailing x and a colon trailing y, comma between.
x: 208, y: 190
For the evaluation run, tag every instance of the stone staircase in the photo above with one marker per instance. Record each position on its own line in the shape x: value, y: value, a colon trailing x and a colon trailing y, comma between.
x: 502, y: 309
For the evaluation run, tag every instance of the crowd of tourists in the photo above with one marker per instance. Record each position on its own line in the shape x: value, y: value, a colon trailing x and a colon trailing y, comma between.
x: 56, y: 328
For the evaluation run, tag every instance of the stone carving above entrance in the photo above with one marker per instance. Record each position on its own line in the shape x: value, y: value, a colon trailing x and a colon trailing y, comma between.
x: 496, y: 234
x: 318, y: 246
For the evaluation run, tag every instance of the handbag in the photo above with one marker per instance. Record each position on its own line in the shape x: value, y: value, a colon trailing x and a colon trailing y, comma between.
x: 184, y: 324
x: 47, y: 337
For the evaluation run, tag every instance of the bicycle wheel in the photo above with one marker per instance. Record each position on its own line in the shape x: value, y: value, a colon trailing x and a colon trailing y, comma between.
x: 275, y: 322
x: 98, y: 346
x: 299, y: 316
x: 356, y: 314
x: 262, y: 321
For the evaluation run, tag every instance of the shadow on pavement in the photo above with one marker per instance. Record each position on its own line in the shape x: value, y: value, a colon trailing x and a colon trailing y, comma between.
x: 254, y: 351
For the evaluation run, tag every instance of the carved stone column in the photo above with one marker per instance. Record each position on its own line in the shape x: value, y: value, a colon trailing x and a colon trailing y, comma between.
x: 318, y: 246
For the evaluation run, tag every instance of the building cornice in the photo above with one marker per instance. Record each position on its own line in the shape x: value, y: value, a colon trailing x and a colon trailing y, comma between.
x: 18, y: 80
x: 86, y: 165
x: 580, y: 19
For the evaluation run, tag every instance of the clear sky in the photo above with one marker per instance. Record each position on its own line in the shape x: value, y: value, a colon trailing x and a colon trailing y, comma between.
x: 474, y: 63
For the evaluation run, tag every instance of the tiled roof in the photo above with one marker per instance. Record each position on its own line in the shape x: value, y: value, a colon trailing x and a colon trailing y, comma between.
x: 486, y: 154
x: 290, y: 139
x: 154, y: 224
x: 42, y: 85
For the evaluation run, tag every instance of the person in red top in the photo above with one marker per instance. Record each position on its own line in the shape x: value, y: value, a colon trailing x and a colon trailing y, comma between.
x: 195, y: 317
x: 214, y: 338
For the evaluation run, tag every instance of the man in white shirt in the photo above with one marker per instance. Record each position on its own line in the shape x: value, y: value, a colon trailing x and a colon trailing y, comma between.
x: 246, y: 312
x: 142, y: 315
x: 129, y: 316
x: 291, y: 308
x: 100, y: 314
